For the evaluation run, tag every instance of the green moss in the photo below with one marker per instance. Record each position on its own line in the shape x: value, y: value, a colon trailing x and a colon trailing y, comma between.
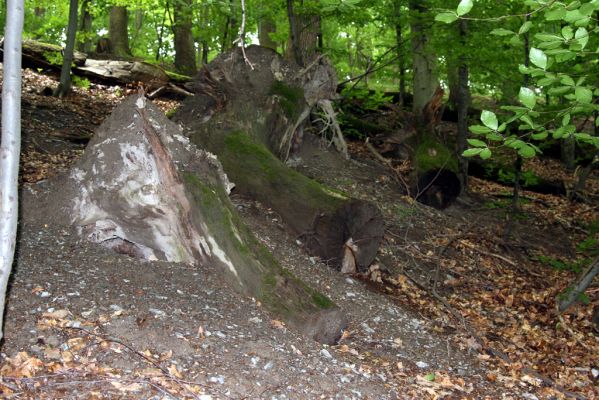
x: 260, y: 164
x: 432, y: 154
x: 322, y: 301
x: 177, y: 78
x: 264, y: 271
x: 292, y: 98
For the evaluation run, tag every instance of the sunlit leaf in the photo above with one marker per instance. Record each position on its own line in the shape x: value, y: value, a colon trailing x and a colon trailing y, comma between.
x: 489, y: 119
x: 538, y: 58
x: 476, y: 143
x: 464, y: 7
x: 447, y: 17
x: 527, y: 97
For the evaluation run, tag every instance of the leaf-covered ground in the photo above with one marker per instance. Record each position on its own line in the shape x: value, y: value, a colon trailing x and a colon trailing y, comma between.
x: 450, y: 310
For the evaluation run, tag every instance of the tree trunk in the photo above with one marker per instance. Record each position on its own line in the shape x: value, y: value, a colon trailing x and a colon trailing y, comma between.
x: 252, y: 123
x: 304, y: 28
x: 119, y: 37
x: 185, y: 60
x: 462, y: 105
x: 64, y: 87
x: 266, y: 26
x: 141, y: 189
x: 85, y: 27
x: 401, y: 60
x: 424, y: 61
x: 11, y: 145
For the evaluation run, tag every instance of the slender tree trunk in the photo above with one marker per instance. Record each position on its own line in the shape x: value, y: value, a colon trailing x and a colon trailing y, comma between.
x: 424, y: 61
x: 11, y: 145
x: 205, y: 51
x: 463, y: 102
x: 401, y: 61
x: 85, y: 27
x: 160, y: 31
x: 64, y: 87
x: 185, y: 60
x: 119, y: 37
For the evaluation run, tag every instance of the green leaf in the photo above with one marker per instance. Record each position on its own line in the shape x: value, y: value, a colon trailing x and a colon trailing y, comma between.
x: 525, y: 28
x: 527, y: 97
x: 527, y: 151
x: 464, y: 7
x: 540, y: 136
x: 567, y: 32
x: 583, y: 95
x: 489, y: 119
x: 548, y: 37
x: 430, y: 377
x: 485, y: 154
x: 560, y: 90
x: 472, y: 152
x: 566, y: 119
x: 476, y: 143
x: 479, y: 129
x: 526, y: 118
x: 555, y: 14
x: 495, y: 137
x: 502, y: 32
x: 546, y: 81
x: 538, y: 58
x: 582, y: 35
x: 567, y: 80
x: 447, y: 17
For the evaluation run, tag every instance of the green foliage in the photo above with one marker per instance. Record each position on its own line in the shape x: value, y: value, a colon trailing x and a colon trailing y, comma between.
x: 53, y: 57
x: 83, y: 83
x: 369, y: 99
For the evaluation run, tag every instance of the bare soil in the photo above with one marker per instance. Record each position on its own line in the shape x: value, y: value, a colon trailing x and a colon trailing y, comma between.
x: 427, y: 321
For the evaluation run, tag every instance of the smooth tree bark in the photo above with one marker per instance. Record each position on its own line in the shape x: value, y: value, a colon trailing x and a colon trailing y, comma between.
x: 581, y: 284
x: 118, y: 32
x: 401, y: 59
x: 185, y: 54
x: 64, y: 87
x: 10, y: 144
x: 424, y: 62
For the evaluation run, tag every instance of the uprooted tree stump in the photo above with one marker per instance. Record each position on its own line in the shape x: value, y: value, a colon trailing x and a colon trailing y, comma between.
x: 141, y: 188
x: 252, y: 113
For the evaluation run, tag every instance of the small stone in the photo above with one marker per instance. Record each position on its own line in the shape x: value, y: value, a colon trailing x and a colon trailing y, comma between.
x: 325, y: 353
x: 421, y: 364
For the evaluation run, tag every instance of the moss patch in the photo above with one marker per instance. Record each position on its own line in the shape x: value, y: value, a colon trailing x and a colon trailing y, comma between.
x: 432, y: 154
x: 291, y: 98
x: 261, y: 275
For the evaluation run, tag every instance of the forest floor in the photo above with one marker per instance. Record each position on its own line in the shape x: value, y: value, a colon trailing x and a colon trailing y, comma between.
x: 450, y: 309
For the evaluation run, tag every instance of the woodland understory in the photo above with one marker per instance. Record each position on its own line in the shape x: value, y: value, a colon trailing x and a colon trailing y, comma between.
x: 488, y: 297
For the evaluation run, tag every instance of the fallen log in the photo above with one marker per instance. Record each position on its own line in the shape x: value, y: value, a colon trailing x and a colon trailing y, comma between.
x: 254, y: 119
x: 142, y: 189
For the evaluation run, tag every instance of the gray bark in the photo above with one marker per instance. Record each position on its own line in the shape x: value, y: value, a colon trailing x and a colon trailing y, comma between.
x: 64, y: 87
x: 10, y: 146
x: 119, y: 36
x: 424, y: 61
x: 185, y: 60
x: 583, y: 282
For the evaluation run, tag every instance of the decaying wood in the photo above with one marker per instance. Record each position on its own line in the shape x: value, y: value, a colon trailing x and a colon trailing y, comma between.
x: 253, y: 120
x: 143, y: 189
